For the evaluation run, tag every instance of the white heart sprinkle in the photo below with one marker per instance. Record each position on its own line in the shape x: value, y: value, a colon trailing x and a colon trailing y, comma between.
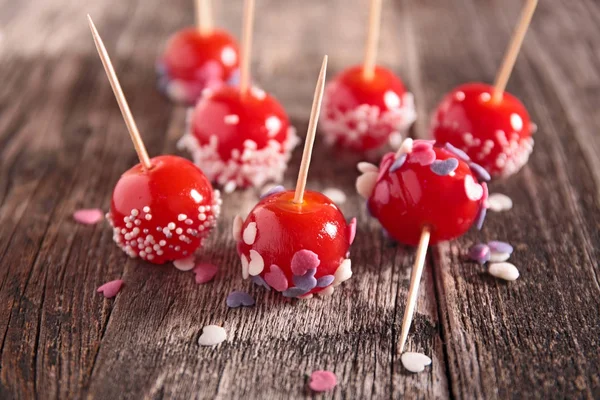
x: 365, y: 167
x: 250, y: 233
x: 343, y: 272
x: 366, y: 183
x: 185, y: 264
x: 504, y: 270
x: 245, y: 273
x: 256, y: 264
x: 336, y: 195
x: 415, y: 362
x: 212, y: 335
x: 499, y: 202
x: 237, y: 227
x: 406, y: 147
x: 473, y: 189
x: 499, y: 257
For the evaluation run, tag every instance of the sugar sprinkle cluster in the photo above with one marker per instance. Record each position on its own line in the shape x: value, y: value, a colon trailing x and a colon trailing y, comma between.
x: 495, y: 253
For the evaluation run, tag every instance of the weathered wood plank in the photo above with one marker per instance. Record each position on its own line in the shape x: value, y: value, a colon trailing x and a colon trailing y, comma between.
x: 63, y: 145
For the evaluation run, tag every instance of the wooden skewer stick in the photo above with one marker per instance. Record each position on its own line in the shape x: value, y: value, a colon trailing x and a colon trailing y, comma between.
x: 247, y: 28
x: 512, y: 52
x: 116, y: 87
x: 372, y: 39
x: 310, y: 134
x: 413, y: 291
x: 204, y: 20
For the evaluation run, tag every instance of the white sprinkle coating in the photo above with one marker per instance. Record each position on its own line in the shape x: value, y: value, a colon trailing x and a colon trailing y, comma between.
x: 499, y: 202
x: 343, y: 272
x: 256, y: 264
x: 237, y: 228
x: 499, y: 257
x: 351, y: 126
x: 366, y: 183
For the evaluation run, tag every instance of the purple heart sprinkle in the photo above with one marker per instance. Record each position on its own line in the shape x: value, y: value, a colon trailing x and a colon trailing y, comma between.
x: 325, y: 281
x: 398, y: 163
x: 276, y: 189
x: 480, y: 217
x: 237, y: 299
x: 258, y: 280
x: 444, y: 167
x: 306, y: 281
x: 457, y: 152
x: 479, y: 252
x: 293, y: 292
x: 500, y: 247
x: 481, y: 172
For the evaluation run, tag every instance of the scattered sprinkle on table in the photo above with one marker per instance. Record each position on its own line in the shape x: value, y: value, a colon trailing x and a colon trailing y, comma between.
x: 88, y: 216
x: 480, y: 253
x: 110, y: 289
x: 335, y: 194
x: 237, y: 299
x: 415, y: 362
x: 499, y: 202
x: 322, y: 381
x: 212, y: 335
x: 504, y: 270
x: 205, y: 272
x: 185, y: 264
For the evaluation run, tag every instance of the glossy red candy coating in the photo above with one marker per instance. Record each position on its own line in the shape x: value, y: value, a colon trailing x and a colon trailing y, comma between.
x: 165, y: 213
x: 413, y: 196
x: 245, y: 139
x: 496, y: 135
x: 361, y: 114
x: 277, y: 229
x: 200, y: 60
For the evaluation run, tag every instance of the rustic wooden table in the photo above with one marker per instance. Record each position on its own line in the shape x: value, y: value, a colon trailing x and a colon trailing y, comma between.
x: 63, y: 146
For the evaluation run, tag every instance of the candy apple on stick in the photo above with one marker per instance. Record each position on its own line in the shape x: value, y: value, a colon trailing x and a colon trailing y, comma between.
x: 296, y: 242
x: 163, y: 208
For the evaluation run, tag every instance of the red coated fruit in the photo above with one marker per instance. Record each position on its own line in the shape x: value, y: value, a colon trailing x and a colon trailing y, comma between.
x: 362, y: 114
x: 240, y: 140
x: 495, y: 134
x: 163, y: 214
x: 295, y: 249
x: 194, y: 61
x: 423, y: 186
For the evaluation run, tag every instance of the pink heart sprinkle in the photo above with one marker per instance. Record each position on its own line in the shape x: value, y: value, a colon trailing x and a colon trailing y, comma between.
x: 276, y: 278
x: 420, y: 145
x: 424, y: 157
x: 88, y: 216
x: 322, y: 381
x: 303, y: 260
x: 352, y: 230
x: 110, y: 289
x: 205, y: 272
x: 473, y: 189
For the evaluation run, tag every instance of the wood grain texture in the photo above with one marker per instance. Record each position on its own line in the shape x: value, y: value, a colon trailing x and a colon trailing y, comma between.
x: 63, y: 146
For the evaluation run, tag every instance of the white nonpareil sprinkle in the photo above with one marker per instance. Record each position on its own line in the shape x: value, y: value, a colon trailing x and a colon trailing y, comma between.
x: 256, y: 264
x: 504, y: 270
x: 237, y: 227
x: 336, y: 195
x: 499, y: 257
x: 415, y: 362
x: 499, y: 202
x: 185, y: 264
x: 212, y: 335
x: 249, y: 234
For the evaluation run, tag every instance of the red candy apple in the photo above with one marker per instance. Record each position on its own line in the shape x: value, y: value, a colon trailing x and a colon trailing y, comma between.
x: 295, y: 249
x: 164, y: 213
x: 362, y: 113
x: 494, y: 133
x: 240, y: 140
x: 194, y: 60
x: 423, y: 186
